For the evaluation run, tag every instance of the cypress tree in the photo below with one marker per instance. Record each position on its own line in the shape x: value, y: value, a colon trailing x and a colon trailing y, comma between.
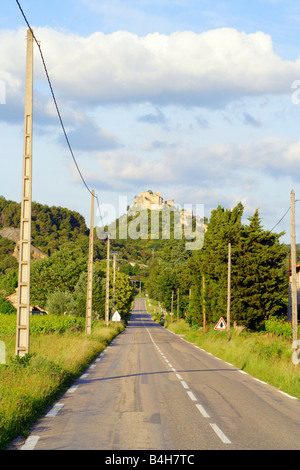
x: 259, y: 275
x: 224, y: 227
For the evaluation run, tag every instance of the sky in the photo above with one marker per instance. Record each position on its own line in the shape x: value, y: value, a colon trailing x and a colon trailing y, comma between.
x: 197, y: 99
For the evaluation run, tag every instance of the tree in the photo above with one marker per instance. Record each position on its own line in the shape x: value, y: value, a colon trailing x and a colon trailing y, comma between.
x: 124, y: 293
x: 224, y: 227
x: 60, y: 303
x: 60, y: 271
x: 98, y: 297
x: 259, y: 276
x: 6, y: 307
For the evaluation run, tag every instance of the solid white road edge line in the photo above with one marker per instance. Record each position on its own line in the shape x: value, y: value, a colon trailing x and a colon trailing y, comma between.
x: 30, y: 443
x: 53, y: 412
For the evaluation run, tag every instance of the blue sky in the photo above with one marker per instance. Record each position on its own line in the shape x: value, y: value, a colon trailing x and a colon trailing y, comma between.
x: 192, y: 98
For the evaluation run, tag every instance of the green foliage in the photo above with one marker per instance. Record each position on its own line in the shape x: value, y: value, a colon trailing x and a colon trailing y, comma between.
x: 29, y: 385
x: 41, y: 324
x: 9, y: 283
x: 279, y: 327
x: 169, y: 271
x: 61, y: 272
x: 46, y: 324
x: 124, y: 293
x: 258, y: 280
x: 7, y: 261
x: 224, y: 227
x: 60, y: 303
x: 98, y: 298
x: 51, y: 226
x: 8, y: 325
x: 6, y: 308
x: 259, y: 277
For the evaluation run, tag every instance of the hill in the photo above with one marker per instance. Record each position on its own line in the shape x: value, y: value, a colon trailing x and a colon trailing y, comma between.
x: 163, y: 264
x: 51, y: 226
x: 60, y: 243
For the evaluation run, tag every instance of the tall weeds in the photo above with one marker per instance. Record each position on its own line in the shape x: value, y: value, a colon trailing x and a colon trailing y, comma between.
x: 263, y: 355
x: 30, y: 384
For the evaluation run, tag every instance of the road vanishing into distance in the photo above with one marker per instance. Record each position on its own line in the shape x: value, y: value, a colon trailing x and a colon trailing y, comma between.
x: 150, y: 389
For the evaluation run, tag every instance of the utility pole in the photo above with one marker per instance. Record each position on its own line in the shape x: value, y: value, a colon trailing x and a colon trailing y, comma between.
x: 89, y: 296
x: 114, y: 253
x: 107, y: 283
x: 228, y: 291
x: 23, y: 299
x: 204, y: 314
x: 294, y: 274
x: 178, y: 303
x: 172, y: 305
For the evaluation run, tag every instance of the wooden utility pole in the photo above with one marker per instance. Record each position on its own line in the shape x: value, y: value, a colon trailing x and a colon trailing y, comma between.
x: 228, y: 291
x: 204, y: 314
x: 107, y: 283
x: 172, y: 305
x: 89, y: 296
x: 294, y: 274
x: 23, y: 298
x: 178, y: 303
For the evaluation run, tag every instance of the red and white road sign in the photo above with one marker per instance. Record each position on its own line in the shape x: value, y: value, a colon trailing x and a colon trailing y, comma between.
x: 221, y: 325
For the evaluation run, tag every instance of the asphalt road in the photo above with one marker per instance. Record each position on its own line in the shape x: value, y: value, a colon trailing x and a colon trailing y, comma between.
x: 152, y: 390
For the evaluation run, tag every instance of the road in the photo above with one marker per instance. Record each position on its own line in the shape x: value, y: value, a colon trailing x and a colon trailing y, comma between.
x: 150, y: 389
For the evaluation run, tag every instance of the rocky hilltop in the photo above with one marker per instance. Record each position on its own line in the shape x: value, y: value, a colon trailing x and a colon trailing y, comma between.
x: 13, y: 234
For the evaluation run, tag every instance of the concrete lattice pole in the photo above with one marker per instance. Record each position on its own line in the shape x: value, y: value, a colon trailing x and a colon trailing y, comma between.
x: 23, y: 296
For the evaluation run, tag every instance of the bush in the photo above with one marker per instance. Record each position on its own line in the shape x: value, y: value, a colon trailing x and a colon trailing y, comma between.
x: 279, y: 327
x: 60, y: 303
x: 52, y: 323
x: 6, y: 307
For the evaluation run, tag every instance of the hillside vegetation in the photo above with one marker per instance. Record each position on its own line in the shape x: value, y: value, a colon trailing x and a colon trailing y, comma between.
x: 59, y: 278
x: 196, y: 280
x: 259, y: 280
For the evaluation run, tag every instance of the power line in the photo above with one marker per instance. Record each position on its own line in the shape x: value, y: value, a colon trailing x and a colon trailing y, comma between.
x: 57, y: 108
x: 281, y: 219
x: 283, y: 216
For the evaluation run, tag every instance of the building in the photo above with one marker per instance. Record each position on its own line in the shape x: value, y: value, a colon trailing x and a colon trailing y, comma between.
x: 34, y: 310
x: 152, y: 201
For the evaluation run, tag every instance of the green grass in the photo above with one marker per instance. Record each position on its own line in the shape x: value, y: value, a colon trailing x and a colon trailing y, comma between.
x: 263, y: 355
x: 57, y: 357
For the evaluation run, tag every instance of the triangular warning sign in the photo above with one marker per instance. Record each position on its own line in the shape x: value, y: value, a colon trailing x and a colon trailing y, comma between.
x: 221, y: 325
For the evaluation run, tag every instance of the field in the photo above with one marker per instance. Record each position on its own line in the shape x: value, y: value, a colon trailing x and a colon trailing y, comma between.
x: 59, y: 352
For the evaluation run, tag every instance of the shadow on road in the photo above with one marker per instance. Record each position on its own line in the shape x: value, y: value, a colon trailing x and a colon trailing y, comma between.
x: 141, y: 374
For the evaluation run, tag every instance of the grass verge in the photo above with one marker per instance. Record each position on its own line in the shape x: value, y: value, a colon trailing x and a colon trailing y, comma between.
x: 262, y: 355
x: 29, y: 385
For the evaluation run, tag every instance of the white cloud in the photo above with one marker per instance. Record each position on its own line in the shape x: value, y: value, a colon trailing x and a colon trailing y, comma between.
x: 185, y: 68
x: 218, y: 166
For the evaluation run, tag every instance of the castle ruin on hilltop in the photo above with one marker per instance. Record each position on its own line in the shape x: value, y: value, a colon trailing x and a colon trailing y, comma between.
x: 152, y: 201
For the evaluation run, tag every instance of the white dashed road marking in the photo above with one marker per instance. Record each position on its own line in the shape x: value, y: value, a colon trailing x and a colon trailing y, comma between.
x: 203, y: 412
x: 220, y: 433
